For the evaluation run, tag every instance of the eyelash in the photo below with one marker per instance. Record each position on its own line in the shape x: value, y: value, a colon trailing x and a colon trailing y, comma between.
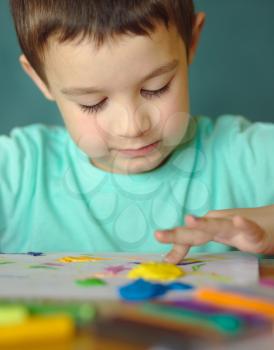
x: 100, y: 106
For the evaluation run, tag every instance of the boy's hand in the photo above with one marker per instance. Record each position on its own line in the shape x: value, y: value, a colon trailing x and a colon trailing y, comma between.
x: 249, y: 230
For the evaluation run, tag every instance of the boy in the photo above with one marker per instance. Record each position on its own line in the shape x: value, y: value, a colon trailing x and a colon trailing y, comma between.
x: 132, y: 161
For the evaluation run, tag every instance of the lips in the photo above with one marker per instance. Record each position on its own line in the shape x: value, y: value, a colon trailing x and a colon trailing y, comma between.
x: 140, y: 151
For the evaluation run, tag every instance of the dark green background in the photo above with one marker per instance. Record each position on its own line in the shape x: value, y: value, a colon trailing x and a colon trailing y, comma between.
x: 232, y: 73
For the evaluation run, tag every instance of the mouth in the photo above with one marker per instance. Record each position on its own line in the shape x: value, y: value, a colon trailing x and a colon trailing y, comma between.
x: 140, y: 151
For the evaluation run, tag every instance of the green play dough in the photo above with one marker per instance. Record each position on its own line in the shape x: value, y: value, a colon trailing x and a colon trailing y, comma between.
x: 90, y: 282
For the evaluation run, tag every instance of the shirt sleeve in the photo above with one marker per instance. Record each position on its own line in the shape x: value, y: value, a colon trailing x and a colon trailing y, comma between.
x: 14, y: 169
x: 251, y: 160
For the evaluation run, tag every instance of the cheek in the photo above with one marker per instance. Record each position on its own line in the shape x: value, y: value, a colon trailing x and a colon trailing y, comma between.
x: 176, y: 121
x: 92, y: 144
x: 175, y: 128
x: 87, y: 136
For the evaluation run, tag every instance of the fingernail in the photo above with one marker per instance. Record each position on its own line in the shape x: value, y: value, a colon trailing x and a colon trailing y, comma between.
x: 193, y: 217
x: 159, y: 234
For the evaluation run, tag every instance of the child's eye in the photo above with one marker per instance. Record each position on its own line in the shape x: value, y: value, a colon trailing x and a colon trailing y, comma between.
x: 101, y: 105
x: 94, y: 109
x: 156, y: 93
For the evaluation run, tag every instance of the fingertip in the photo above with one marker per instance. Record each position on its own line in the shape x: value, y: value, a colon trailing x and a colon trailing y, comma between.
x: 175, y: 257
x: 166, y: 259
x: 191, y: 219
x: 158, y: 234
x: 170, y: 259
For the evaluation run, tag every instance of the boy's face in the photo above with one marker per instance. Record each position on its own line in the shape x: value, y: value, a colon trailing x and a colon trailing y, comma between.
x: 132, y: 128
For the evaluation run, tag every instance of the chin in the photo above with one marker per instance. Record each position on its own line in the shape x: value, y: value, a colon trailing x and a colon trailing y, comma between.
x: 140, y: 166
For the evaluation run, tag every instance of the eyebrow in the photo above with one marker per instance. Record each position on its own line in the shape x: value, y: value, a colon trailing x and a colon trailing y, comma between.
x: 165, y: 68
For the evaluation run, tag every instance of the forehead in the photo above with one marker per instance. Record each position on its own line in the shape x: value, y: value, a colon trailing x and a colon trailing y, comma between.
x: 127, y: 56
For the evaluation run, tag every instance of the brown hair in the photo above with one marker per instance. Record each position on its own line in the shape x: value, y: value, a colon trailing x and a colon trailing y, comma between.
x: 37, y: 20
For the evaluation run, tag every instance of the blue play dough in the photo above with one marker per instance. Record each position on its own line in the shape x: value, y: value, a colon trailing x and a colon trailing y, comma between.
x: 180, y: 286
x: 143, y: 290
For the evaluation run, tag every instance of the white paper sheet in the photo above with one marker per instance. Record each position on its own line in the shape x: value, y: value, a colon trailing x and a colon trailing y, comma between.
x: 36, y: 277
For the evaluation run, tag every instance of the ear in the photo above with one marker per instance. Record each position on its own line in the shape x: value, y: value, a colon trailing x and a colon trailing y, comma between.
x: 35, y: 77
x: 196, y: 32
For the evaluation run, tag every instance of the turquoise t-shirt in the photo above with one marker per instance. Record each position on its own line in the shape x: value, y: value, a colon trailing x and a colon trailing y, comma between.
x: 53, y: 199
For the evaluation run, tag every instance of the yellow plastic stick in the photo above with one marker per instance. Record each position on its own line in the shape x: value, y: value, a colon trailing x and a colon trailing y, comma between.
x: 13, y: 314
x: 38, y: 330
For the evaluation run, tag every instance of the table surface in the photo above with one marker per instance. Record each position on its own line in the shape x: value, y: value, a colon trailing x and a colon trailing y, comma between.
x: 88, y: 341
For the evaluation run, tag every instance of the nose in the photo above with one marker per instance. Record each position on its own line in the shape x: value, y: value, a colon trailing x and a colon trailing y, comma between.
x: 133, y: 124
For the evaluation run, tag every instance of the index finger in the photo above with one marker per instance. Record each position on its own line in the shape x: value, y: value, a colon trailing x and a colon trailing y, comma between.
x: 177, y: 253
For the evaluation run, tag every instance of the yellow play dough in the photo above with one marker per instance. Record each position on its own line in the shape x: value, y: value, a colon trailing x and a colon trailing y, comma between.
x: 158, y: 271
x: 69, y: 259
